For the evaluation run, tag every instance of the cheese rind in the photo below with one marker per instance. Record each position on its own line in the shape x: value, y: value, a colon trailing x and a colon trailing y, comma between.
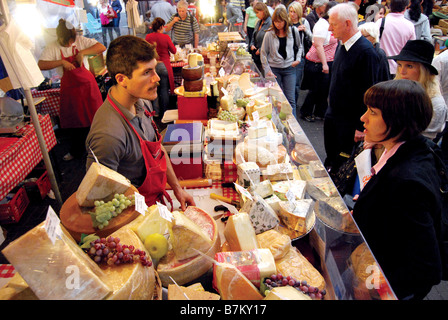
x: 187, y: 237
x: 294, y: 215
x: 279, y: 244
x: 99, y: 183
x: 240, y: 233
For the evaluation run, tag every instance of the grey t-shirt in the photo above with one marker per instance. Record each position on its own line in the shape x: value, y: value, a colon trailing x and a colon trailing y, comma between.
x: 115, y: 144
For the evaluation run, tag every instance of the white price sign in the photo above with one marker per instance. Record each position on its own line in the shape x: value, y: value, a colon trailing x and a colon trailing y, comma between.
x: 243, y: 191
x: 140, y: 203
x: 164, y: 212
x: 53, y: 225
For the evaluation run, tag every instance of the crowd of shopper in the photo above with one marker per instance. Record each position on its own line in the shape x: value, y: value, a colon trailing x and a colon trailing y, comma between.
x: 372, y: 81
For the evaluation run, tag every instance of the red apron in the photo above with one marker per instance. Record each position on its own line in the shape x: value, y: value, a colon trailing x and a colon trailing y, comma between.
x: 80, y: 96
x: 153, y: 187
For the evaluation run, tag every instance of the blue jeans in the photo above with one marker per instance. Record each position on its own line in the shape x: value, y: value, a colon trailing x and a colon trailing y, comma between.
x: 299, y: 76
x: 286, y: 79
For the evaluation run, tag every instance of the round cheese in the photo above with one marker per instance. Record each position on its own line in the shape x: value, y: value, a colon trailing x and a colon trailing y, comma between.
x: 187, y: 270
x: 77, y: 220
x: 192, y: 73
x: 193, y: 85
x: 304, y: 153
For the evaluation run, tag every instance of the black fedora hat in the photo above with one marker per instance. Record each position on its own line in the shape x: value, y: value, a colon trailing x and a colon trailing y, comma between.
x: 417, y: 51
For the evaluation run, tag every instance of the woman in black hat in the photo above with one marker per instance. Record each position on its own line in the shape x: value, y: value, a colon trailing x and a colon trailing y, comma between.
x: 414, y: 63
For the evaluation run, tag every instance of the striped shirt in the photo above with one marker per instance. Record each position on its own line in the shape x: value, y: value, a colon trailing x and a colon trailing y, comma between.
x: 184, y: 30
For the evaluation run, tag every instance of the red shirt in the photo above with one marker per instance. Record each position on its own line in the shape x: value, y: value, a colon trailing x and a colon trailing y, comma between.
x: 164, y: 45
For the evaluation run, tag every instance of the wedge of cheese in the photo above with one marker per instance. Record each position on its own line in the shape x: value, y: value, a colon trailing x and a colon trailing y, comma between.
x: 239, y: 232
x: 233, y: 285
x: 187, y: 237
x: 150, y: 223
x: 176, y: 292
x: 99, y: 183
x: 295, y: 214
x: 261, y: 214
x: 286, y: 293
x: 130, y: 281
x: 59, y: 271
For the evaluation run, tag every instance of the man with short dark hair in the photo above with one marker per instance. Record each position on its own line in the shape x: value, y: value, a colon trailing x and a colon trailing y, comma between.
x: 123, y: 135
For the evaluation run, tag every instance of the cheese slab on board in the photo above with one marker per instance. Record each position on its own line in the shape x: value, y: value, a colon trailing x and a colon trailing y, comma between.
x: 43, y: 265
x: 187, y: 270
x: 150, y: 223
x: 99, y: 183
x: 294, y: 264
x: 240, y: 233
x: 186, y: 237
x: 130, y: 281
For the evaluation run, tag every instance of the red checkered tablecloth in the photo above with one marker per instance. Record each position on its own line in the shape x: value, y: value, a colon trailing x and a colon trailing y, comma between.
x: 20, y: 158
x: 51, y: 104
x: 7, y: 271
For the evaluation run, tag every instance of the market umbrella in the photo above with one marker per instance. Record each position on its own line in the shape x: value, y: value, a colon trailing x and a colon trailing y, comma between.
x: 24, y: 73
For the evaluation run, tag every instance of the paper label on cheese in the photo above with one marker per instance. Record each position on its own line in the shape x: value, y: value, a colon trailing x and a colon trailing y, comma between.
x: 243, y: 191
x: 53, y: 225
x: 140, y: 203
x: 164, y: 212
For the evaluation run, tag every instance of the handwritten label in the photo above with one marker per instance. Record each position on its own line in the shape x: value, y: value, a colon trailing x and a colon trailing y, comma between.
x: 140, y: 203
x: 53, y: 225
x: 164, y: 212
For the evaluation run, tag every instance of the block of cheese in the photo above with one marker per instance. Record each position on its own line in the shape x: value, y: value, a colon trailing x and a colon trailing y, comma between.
x: 239, y: 232
x: 294, y: 264
x: 278, y: 243
x: 286, y: 293
x: 233, y: 285
x: 150, y: 223
x: 255, y: 265
x: 17, y: 289
x: 227, y: 102
x: 334, y: 212
x: 304, y: 171
x: 297, y: 187
x: 187, y: 270
x: 99, y: 183
x: 194, y: 59
x: 317, y: 169
x: 43, y: 265
x: 186, y: 237
x: 264, y: 189
x: 248, y: 174
x: 295, y: 214
x: 245, y: 83
x: 130, y: 281
x: 321, y: 188
x: 303, y: 153
x: 176, y: 292
x: 279, y: 172
x: 253, y: 153
x: 274, y: 202
x: 258, y: 131
x: 262, y: 216
x: 263, y: 110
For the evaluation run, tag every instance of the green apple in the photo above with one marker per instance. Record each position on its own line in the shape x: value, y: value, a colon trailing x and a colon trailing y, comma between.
x: 157, y: 245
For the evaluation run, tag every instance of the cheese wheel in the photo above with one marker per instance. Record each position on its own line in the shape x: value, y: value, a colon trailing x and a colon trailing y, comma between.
x: 130, y: 281
x: 192, y: 73
x: 193, y: 85
x: 77, y: 220
x: 187, y: 270
x: 304, y: 153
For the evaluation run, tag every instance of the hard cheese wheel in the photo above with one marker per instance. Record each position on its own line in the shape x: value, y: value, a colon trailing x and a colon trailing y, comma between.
x: 193, y: 85
x: 187, y: 270
x: 77, y: 220
x: 130, y: 281
x: 192, y: 73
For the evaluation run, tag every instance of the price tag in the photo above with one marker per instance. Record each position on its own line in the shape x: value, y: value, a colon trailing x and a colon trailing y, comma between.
x: 255, y: 116
x: 221, y: 72
x: 52, y: 225
x: 243, y: 191
x: 290, y: 196
x: 164, y: 212
x: 140, y: 203
x: 224, y: 91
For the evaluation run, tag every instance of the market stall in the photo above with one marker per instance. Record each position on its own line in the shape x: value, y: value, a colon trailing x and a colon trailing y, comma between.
x: 266, y: 211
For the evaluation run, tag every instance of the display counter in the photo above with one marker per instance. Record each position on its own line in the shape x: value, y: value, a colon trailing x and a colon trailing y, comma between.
x: 268, y: 213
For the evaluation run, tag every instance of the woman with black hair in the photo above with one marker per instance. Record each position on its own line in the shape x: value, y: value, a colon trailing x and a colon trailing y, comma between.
x: 399, y: 208
x: 419, y: 19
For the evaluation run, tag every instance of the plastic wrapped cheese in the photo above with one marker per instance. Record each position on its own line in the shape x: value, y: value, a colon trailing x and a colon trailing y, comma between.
x: 261, y: 214
x: 59, y: 271
x: 276, y: 242
x: 130, y: 281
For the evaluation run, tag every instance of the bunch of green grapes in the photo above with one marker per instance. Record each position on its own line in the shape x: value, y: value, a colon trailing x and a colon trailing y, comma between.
x: 105, y: 211
x: 225, y: 115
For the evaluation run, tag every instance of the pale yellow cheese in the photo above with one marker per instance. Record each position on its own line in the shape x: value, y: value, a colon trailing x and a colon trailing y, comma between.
x: 295, y: 214
x: 187, y: 237
x: 239, y: 233
x: 99, y: 183
x: 244, y: 82
x: 286, y: 293
x: 278, y: 243
x: 59, y: 271
x: 227, y: 102
x: 150, y: 223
